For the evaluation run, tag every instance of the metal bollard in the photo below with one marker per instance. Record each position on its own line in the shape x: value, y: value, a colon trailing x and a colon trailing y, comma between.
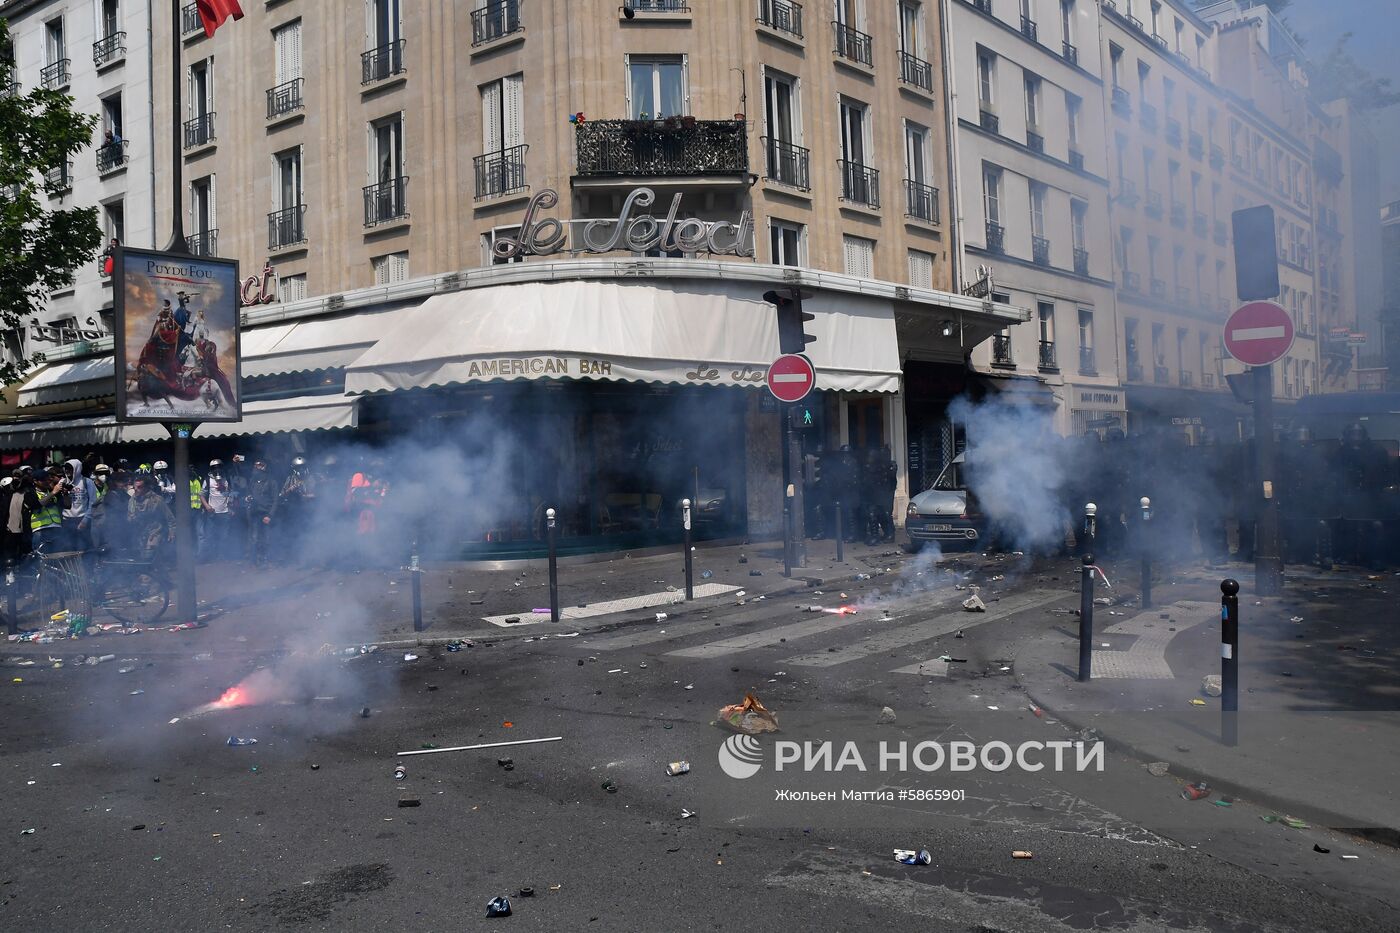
x: 11, y: 610
x: 787, y: 534
x: 840, y: 536
x: 1086, y: 619
x: 1229, y: 662
x: 689, y: 557
x: 1088, y: 538
x: 550, y: 531
x: 416, y: 578
x: 1324, y: 544
x: 1145, y: 554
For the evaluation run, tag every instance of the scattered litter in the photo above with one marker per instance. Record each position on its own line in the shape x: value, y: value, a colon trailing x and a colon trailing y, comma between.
x: 235, y: 740
x: 1350, y: 856
x: 1296, y: 619
x: 1292, y: 822
x: 430, y: 749
x: 959, y: 634
x: 1022, y: 853
x: 974, y: 604
x: 527, y: 892
x: 1210, y: 685
x: 750, y: 717
x: 1103, y: 601
x: 138, y: 827
x: 886, y: 715
x: 1195, y: 791
x: 1040, y: 713
x: 400, y: 772
x: 135, y: 693
x: 410, y: 802
x: 173, y: 721
x: 676, y: 768
x: 1323, y: 849
x: 994, y: 707
x: 1224, y: 802
x: 616, y: 670
x: 204, y: 656
x: 686, y: 814
x: 410, y: 657
x: 661, y: 617
x: 609, y: 786
x: 27, y: 832
x: 1269, y: 818
x: 364, y: 712
x: 498, y: 907
x: 1158, y: 768
x: 913, y: 857
x: 755, y: 573
x: 542, y: 612
x: 1197, y: 701
x: 705, y: 575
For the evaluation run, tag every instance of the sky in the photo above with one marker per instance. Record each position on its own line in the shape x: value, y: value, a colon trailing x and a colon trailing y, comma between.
x: 1375, y: 28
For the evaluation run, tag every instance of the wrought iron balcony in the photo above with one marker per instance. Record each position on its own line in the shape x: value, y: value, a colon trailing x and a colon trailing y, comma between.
x: 984, y: 6
x: 1132, y: 282
x: 59, y: 178
x: 286, y: 227
x: 915, y: 71
x: 1040, y: 250
x: 1070, y: 53
x: 1161, y: 375
x: 111, y: 156
x: 285, y: 98
x: 1034, y: 141
x: 852, y: 44
x: 1147, y: 116
x: 199, y: 131
x: 1028, y: 28
x: 1076, y: 159
x: 996, y: 238
x: 11, y: 89
x: 382, y: 63
x: 1127, y: 192
x: 1207, y: 380
x: 1159, y: 288
x: 1196, y: 144
x: 190, y: 23
x: 108, y: 50
x: 860, y: 184
x: 675, y: 147
x: 1217, y: 156
x: 787, y: 164
x: 386, y: 201
x: 922, y: 201
x: 1047, y: 355
x: 1001, y: 350
x: 1087, y: 365
x: 500, y: 173
x: 1154, y: 204
x: 1122, y: 101
x: 990, y: 121
x: 498, y: 18
x: 1178, y: 214
x: 1134, y: 371
x: 204, y: 243
x: 657, y: 6
x: 1200, y: 223
x: 782, y: 15
x: 1173, y: 131
x: 1081, y: 260
x: 1185, y: 378
x: 55, y: 76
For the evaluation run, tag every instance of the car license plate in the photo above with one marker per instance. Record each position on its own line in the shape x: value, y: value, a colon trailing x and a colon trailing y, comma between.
x: 940, y: 527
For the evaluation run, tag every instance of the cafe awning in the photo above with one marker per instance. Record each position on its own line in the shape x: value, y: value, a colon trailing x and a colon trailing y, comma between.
x: 97, y: 431
x: 318, y: 343
x: 710, y: 333
x: 69, y: 381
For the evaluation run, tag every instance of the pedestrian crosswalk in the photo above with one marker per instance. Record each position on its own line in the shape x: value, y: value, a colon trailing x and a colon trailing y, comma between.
x: 829, y: 640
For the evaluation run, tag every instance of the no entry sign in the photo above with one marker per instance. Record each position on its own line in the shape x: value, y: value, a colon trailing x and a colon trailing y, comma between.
x: 791, y: 377
x: 1259, y: 333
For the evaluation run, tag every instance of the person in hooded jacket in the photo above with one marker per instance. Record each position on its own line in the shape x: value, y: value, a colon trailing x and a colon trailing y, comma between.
x: 77, y: 513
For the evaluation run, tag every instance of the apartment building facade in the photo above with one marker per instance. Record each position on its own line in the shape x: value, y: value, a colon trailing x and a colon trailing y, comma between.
x: 98, y: 52
x: 1033, y: 195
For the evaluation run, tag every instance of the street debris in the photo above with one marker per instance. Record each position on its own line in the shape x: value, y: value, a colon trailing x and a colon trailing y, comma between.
x: 686, y: 814
x: 410, y: 802
x: 1195, y: 791
x: 1210, y: 685
x: 1319, y: 848
x: 677, y: 768
x: 1197, y: 701
x: 1350, y: 856
x: 235, y: 740
x: 498, y: 907
x: 527, y: 892
x: 463, y: 748
x: 1224, y: 802
x: 609, y: 785
x: 410, y: 657
x: 1292, y: 822
x: 1158, y: 768
x: 400, y: 772
x: 1022, y: 853
x: 661, y: 617
x: 750, y: 717
x: 974, y: 604
x: 886, y: 715
x: 913, y: 857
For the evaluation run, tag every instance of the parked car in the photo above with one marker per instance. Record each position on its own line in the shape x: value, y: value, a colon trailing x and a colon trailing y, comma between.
x: 947, y: 513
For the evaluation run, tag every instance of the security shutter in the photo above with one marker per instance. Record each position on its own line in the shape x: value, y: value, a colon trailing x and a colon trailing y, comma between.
x: 860, y: 257
x: 920, y: 269
x: 492, y: 130
x: 513, y: 110
x: 287, y: 40
x: 292, y: 288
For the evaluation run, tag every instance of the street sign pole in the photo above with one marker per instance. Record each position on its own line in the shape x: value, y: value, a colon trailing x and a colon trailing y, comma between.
x: 1268, y: 564
x: 799, y: 518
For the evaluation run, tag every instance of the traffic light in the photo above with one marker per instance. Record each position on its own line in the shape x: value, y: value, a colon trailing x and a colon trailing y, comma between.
x: 1256, y: 253
x: 812, y: 469
x: 792, y: 320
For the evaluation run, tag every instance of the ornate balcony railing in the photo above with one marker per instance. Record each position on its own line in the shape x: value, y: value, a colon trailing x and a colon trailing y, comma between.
x: 199, y: 131
x: 1069, y: 52
x: 1087, y: 364
x: 381, y: 63
x: 1185, y: 378
x: 915, y: 71
x: 989, y: 121
x: 496, y: 19
x: 787, y: 164
x: 1200, y: 224
x: 111, y: 156
x: 54, y: 76
x: 386, y: 201
x: 500, y: 173
x: 1178, y: 214
x: 1154, y: 204
x: 285, y: 98
x: 1034, y: 141
x: 996, y: 238
x: 1028, y: 28
x: 1217, y: 156
x: 859, y: 183
x: 921, y: 201
x: 1173, y: 131
x: 1040, y: 250
x: 661, y: 148
x: 1127, y: 192
x: 658, y: 6
x: 1161, y: 375
x: 286, y: 227
x: 1076, y: 159
x: 190, y: 23
x: 1122, y: 101
x: 1081, y: 260
x: 204, y: 243
x: 852, y: 44
x: 1196, y: 144
x: 782, y: 15
x: 1001, y: 350
x: 1047, y: 355
x: 1147, y: 116
x: 59, y: 178
x: 1159, y: 288
x: 108, y: 50
x: 1132, y: 281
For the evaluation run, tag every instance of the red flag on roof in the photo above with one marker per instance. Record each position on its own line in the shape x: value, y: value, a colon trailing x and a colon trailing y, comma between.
x: 212, y: 13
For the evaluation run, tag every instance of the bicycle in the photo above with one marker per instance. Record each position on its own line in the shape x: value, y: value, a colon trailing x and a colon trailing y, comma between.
x: 134, y: 592
x: 49, y: 588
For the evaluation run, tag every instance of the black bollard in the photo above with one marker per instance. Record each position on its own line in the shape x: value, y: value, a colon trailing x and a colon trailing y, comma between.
x: 415, y: 573
x: 1324, y: 544
x: 1229, y: 662
x: 11, y: 611
x: 1090, y: 533
x: 549, y: 523
x: 1145, y: 553
x: 1086, y: 619
x: 689, y: 557
x: 840, y: 536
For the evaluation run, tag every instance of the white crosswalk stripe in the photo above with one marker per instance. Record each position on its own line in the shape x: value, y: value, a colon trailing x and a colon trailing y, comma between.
x: 772, y: 636
x: 627, y: 604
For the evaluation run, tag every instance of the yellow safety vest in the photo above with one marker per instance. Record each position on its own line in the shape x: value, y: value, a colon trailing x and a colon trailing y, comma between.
x: 45, y: 516
x: 196, y: 487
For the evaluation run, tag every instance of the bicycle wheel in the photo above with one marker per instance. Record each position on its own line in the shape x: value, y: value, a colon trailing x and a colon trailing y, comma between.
x: 138, y: 597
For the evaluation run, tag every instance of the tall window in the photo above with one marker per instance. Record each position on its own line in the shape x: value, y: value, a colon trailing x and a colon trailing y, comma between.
x: 656, y: 86
x: 1045, y: 311
x: 286, y: 41
x: 112, y: 117
x: 502, y: 114
x: 111, y: 19
x: 986, y: 79
x: 55, y: 47
x: 1078, y: 216
x: 114, y: 221
x: 1115, y: 64
x: 386, y: 136
x: 854, y: 127
x: 916, y: 152
x: 848, y: 13
x: 1067, y: 21
x: 202, y: 205
x: 1032, y: 102
x: 1037, y: 209
x: 860, y: 256
x: 991, y: 194
x: 920, y: 269
x: 287, y: 187
x: 785, y: 241
x: 1074, y: 115
x: 201, y: 89
x: 386, y: 24
x: 781, y: 117
x: 909, y: 42
x: 1086, y: 331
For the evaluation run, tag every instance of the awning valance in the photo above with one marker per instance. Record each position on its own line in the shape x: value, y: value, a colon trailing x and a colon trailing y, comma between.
x: 69, y: 381
x: 716, y: 333
x: 319, y: 343
x: 99, y: 431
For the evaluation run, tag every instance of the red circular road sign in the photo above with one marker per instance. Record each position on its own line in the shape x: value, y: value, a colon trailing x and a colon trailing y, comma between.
x: 791, y: 377
x: 1259, y: 333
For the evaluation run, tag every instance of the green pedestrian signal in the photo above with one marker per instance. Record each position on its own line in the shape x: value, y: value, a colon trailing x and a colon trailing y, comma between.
x: 807, y: 417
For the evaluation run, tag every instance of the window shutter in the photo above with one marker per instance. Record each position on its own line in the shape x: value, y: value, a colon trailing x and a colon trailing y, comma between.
x: 920, y: 269
x: 860, y: 257
x: 491, y: 136
x: 513, y: 109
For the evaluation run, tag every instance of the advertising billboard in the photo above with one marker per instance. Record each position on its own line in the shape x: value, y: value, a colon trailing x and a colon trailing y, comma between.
x: 177, y: 337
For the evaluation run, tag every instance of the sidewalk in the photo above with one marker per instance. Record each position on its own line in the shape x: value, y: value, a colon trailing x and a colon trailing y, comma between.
x: 1319, y: 720
x: 261, y: 610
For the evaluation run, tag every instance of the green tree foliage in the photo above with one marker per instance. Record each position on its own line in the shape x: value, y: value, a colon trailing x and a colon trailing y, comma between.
x: 40, y: 248
x: 1339, y: 75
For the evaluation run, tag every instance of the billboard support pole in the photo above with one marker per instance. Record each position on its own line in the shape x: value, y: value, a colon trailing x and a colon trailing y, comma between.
x: 187, y: 609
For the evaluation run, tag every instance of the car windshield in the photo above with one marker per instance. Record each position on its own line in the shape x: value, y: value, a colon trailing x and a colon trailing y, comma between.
x: 951, y: 478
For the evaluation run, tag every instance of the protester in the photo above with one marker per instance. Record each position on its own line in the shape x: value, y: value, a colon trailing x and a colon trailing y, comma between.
x: 43, y: 500
x: 295, y: 507
x: 152, y: 523
x: 111, y: 518
x: 81, y: 495
x: 262, y: 504
x: 219, y: 515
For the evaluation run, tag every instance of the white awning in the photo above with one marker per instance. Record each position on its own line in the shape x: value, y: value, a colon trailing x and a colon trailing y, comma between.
x: 284, y: 415
x: 68, y: 382
x: 320, y: 343
x: 30, y: 435
x: 706, y: 333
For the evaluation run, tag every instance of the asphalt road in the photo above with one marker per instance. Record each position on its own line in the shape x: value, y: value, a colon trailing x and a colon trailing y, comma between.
x: 139, y: 823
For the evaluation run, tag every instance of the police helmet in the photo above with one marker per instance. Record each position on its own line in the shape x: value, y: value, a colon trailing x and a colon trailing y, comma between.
x: 215, y: 463
x: 162, y: 465
x: 298, y: 462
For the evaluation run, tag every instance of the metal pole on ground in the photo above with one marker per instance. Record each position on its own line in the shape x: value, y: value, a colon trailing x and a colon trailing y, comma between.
x: 689, y: 557
x: 1086, y: 618
x: 11, y: 610
x: 1146, y: 553
x: 551, y: 531
x: 186, y: 609
x: 1229, y: 662
x: 415, y: 571
x: 840, y: 536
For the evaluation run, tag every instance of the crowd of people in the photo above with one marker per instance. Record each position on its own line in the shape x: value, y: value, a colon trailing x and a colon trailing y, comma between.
x: 860, y: 485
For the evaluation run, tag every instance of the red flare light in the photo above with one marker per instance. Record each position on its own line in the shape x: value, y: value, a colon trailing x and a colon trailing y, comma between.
x: 841, y: 610
x: 233, y: 696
